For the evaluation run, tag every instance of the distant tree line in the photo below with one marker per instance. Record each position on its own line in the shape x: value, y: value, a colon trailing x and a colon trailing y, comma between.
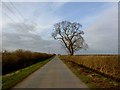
x: 12, y: 61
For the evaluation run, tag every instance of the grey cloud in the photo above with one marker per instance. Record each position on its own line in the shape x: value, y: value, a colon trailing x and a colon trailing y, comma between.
x: 21, y: 27
x: 16, y: 36
x: 33, y: 42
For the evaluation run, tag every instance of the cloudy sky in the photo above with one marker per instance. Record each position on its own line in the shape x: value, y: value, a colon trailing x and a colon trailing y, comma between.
x: 28, y: 25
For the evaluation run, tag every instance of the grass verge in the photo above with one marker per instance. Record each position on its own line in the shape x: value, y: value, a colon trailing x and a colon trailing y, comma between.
x: 82, y: 77
x: 90, y: 78
x: 10, y: 80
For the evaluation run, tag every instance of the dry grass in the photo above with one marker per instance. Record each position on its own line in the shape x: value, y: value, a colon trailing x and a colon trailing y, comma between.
x: 92, y: 79
x: 107, y: 64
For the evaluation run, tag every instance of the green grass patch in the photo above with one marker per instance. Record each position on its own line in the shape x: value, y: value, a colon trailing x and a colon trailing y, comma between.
x: 79, y: 74
x: 10, y: 80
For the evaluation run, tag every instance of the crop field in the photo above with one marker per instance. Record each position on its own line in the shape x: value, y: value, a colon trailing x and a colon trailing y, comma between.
x: 106, y: 64
x: 12, y: 61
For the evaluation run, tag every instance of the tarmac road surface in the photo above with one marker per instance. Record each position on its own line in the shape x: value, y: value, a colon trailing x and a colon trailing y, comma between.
x: 55, y: 74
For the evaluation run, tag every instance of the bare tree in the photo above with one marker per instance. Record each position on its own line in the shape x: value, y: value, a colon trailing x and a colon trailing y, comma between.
x: 70, y: 34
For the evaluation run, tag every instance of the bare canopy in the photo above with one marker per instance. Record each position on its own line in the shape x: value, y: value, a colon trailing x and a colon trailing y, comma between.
x: 70, y: 35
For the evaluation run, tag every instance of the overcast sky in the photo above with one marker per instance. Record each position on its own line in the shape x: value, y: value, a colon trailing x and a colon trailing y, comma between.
x: 28, y: 25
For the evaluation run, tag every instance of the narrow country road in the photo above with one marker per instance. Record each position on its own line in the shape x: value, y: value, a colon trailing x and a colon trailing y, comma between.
x: 55, y: 74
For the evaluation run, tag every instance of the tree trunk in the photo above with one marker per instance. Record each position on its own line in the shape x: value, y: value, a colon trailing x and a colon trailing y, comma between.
x: 71, y: 53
